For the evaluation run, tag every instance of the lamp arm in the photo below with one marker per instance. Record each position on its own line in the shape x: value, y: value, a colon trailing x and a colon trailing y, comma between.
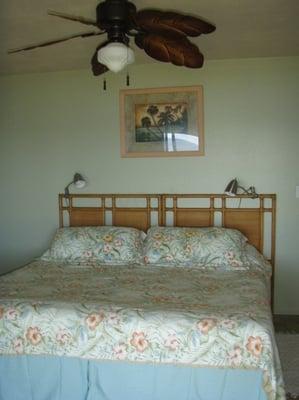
x: 66, y: 189
x: 250, y: 191
x: 242, y: 188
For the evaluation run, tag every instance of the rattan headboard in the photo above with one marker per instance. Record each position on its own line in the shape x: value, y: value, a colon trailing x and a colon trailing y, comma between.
x: 253, y: 217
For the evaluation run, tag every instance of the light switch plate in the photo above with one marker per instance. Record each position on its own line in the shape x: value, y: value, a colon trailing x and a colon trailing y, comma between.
x: 297, y: 192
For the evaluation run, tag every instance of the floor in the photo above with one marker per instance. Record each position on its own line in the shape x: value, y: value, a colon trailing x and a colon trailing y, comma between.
x: 286, y: 323
x: 287, y: 337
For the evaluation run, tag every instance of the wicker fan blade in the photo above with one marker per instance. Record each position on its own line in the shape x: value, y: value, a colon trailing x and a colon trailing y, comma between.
x: 83, y: 20
x: 169, y: 47
x: 49, y: 43
x: 154, y: 20
x: 98, y: 68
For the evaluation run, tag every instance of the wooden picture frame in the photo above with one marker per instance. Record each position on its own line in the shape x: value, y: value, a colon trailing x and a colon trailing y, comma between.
x: 162, y: 122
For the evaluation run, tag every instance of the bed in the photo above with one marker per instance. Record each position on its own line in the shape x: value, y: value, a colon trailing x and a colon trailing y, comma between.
x: 108, y: 312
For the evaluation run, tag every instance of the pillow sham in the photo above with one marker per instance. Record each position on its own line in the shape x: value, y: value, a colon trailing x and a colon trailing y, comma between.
x: 96, y: 244
x: 210, y: 246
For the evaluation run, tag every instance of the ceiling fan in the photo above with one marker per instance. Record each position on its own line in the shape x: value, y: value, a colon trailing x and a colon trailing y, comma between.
x: 163, y: 35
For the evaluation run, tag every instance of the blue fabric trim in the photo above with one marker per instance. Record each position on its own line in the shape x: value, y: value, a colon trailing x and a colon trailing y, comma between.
x: 62, y: 378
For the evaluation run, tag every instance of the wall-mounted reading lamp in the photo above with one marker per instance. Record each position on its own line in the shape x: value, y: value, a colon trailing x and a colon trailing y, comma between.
x: 233, y: 186
x: 78, y: 181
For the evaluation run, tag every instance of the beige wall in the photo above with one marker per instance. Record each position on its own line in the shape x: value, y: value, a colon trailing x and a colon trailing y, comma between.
x: 54, y: 124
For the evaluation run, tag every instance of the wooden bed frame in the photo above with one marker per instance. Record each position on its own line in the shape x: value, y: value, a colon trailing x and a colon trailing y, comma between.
x: 255, y: 218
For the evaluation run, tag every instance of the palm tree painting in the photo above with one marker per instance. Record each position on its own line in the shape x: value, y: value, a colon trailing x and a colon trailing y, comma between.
x: 159, y: 122
x: 162, y: 122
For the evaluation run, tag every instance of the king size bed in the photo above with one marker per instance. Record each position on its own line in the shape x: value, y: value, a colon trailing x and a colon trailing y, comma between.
x: 145, y: 297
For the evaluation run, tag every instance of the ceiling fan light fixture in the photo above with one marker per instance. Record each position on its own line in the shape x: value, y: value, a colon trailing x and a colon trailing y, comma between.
x: 116, y: 56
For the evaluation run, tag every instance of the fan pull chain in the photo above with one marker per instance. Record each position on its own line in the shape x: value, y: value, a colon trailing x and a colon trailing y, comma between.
x: 128, y: 76
x: 104, y: 84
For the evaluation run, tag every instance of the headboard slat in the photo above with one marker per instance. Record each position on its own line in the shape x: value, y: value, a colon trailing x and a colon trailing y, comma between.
x: 138, y: 218
x: 248, y: 222
x: 84, y: 216
x: 193, y: 217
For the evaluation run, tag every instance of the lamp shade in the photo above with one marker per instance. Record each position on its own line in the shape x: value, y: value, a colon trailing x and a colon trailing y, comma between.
x: 116, y: 56
x: 79, y: 181
x: 232, y: 188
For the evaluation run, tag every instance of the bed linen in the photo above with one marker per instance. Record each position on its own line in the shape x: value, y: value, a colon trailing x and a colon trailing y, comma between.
x: 69, y: 378
x: 199, y: 318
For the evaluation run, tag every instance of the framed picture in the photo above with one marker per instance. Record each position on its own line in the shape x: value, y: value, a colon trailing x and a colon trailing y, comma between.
x: 162, y: 122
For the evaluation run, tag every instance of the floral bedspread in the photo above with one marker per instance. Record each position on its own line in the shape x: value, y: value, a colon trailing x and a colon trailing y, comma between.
x: 209, y: 317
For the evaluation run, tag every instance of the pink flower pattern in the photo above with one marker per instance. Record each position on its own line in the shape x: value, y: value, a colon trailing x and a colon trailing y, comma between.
x: 139, y: 341
x: 255, y: 345
x: 12, y: 314
x: 93, y: 320
x: 18, y: 345
x: 205, y: 325
x: 235, y: 356
x: 172, y: 342
x: 120, y: 351
x: 34, y: 335
x: 107, y: 248
x: 63, y: 336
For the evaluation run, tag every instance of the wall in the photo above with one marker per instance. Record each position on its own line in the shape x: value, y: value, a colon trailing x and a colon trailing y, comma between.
x: 54, y: 124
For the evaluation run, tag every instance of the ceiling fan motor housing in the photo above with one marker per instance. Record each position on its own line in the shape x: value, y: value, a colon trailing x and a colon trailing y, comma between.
x: 115, y: 17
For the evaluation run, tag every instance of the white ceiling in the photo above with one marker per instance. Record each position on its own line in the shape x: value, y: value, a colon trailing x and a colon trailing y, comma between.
x: 245, y: 28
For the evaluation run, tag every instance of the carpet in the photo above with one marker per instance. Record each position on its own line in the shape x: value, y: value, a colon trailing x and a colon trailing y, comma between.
x: 288, y: 346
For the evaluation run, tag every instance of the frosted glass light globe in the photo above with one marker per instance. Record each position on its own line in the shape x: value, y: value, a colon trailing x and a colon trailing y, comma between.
x: 80, y: 184
x: 116, y: 56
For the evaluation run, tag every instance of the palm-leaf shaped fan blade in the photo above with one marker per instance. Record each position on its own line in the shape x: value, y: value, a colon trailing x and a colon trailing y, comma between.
x: 169, y: 47
x: 51, y: 42
x: 82, y: 20
x: 153, y: 20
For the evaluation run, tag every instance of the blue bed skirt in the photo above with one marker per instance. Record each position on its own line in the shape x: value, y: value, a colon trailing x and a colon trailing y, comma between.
x: 62, y: 378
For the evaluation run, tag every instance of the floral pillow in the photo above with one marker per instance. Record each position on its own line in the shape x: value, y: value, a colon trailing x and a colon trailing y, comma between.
x: 194, y: 246
x: 96, y: 244
x: 253, y: 258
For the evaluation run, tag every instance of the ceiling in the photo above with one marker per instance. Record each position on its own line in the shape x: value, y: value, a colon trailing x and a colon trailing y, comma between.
x: 245, y: 28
